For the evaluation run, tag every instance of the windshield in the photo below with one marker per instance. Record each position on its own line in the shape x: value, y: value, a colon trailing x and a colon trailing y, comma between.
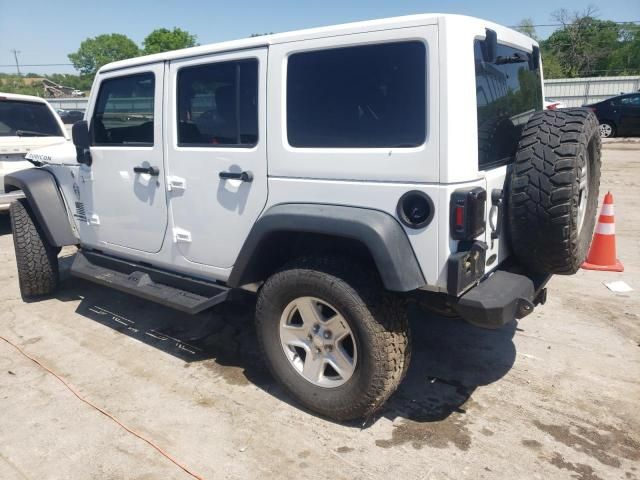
x: 27, y: 119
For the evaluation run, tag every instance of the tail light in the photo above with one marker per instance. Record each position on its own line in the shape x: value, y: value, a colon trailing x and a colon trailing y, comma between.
x: 552, y: 106
x: 467, y: 213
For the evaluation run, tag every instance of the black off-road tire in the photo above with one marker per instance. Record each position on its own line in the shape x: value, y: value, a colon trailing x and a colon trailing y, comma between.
x: 377, y: 319
x: 545, y: 190
x: 37, y: 260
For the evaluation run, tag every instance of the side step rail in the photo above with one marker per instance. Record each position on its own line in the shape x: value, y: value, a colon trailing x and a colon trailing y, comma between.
x: 175, y: 291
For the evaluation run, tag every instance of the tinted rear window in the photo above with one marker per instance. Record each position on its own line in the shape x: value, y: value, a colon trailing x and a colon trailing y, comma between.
x: 27, y: 118
x: 218, y: 104
x: 508, y: 92
x: 358, y: 97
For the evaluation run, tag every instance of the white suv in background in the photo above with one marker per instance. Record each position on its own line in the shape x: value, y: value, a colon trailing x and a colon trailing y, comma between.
x: 26, y: 123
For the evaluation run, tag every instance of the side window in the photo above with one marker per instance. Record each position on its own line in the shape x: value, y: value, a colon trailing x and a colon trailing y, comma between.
x: 508, y: 92
x: 218, y: 104
x: 124, y: 111
x: 632, y: 100
x: 369, y: 96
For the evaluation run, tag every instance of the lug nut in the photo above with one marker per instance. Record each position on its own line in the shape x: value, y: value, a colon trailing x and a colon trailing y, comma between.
x: 316, y: 328
x: 328, y: 348
x: 327, y: 334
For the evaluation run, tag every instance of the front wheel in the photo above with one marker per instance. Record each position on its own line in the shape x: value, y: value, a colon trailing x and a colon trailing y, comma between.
x: 37, y: 260
x: 332, y: 337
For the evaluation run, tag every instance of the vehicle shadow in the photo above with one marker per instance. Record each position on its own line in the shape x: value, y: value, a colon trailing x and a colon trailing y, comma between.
x: 450, y: 358
x: 5, y: 224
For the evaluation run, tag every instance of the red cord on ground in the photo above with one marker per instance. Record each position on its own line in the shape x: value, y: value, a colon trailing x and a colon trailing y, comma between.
x: 105, y: 413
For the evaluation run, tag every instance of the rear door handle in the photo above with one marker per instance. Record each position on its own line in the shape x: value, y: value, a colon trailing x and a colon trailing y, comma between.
x: 244, y: 176
x: 153, y: 171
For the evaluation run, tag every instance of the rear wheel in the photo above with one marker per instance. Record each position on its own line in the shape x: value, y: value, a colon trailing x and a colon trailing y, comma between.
x: 333, y: 337
x: 607, y: 130
x: 37, y: 260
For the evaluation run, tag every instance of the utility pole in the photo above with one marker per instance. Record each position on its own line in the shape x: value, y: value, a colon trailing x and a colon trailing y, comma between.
x: 15, y: 55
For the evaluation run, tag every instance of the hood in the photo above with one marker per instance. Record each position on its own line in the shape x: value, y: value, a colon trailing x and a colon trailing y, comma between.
x: 61, y: 154
x: 21, y: 145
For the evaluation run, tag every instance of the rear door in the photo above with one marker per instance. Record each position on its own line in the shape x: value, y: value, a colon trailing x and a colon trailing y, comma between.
x: 122, y: 194
x: 216, y: 128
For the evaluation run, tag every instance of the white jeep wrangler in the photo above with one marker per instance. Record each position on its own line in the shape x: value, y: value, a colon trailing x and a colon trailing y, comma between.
x: 335, y: 172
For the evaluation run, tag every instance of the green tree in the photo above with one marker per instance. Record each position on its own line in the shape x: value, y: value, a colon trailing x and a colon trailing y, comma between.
x: 584, y: 45
x: 163, y: 40
x: 526, y: 26
x: 96, y: 52
x: 626, y: 59
x: 551, y: 66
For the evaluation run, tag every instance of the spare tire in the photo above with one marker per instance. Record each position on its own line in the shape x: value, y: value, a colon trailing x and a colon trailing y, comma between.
x: 553, y: 194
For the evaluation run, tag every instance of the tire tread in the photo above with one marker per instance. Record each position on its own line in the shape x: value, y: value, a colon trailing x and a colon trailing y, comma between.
x: 36, y: 260
x: 544, y: 236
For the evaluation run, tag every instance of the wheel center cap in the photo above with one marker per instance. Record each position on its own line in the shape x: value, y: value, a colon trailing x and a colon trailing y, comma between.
x: 317, y: 341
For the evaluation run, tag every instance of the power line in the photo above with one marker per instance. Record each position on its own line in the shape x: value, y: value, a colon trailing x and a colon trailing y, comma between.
x: 576, y: 24
x: 38, y: 64
x: 567, y: 25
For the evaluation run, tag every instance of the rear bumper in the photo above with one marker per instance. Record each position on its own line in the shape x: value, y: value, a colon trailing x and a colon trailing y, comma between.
x: 505, y: 295
x: 7, y: 198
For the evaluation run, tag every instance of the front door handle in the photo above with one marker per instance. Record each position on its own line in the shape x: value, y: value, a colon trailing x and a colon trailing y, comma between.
x: 244, y: 176
x: 153, y: 171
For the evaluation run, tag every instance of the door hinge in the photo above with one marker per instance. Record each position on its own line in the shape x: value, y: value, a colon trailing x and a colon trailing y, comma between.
x: 181, y: 236
x: 176, y: 183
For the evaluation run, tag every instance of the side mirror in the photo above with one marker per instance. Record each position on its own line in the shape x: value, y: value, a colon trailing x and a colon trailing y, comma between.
x: 80, y: 135
x: 490, y: 46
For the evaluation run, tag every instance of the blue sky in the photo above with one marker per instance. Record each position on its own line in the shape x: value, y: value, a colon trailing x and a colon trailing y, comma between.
x: 46, y: 31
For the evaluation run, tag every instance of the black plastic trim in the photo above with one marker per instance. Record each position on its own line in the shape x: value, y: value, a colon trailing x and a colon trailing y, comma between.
x: 465, y: 267
x: 40, y: 188
x: 176, y: 291
x: 407, y: 221
x: 502, y: 297
x: 378, y: 231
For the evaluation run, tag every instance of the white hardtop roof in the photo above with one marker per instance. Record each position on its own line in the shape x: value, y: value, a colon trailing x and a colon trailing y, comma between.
x: 307, y: 34
x: 22, y: 98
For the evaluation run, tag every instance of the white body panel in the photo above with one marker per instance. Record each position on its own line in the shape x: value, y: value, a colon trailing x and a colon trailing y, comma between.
x: 215, y: 214
x: 418, y: 164
x: 199, y: 227
x: 126, y: 209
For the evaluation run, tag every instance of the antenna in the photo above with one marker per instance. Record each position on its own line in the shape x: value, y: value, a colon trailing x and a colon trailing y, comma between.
x: 15, y: 55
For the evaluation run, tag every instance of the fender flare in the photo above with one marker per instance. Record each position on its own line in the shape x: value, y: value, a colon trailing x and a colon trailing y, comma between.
x: 41, y: 190
x: 378, y: 231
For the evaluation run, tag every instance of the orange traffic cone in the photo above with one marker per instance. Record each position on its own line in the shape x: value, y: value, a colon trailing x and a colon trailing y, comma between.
x: 602, y: 254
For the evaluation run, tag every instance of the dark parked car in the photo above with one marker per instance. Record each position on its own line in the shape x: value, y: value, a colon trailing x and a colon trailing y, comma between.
x: 618, y: 116
x: 72, y: 116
